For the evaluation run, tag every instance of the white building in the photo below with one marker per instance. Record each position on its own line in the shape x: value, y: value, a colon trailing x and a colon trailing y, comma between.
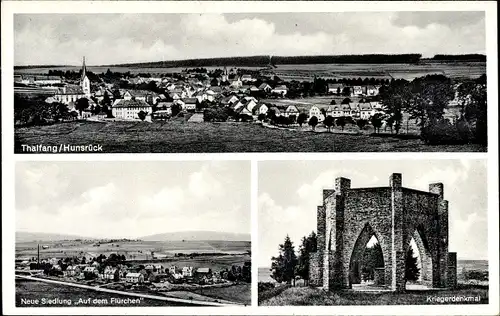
x: 187, y: 271
x: 133, y: 277
x: 129, y: 109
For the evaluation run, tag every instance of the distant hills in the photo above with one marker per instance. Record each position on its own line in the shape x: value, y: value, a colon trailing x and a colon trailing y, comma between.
x: 185, y: 235
x: 30, y: 236
x: 266, y: 60
x: 197, y: 235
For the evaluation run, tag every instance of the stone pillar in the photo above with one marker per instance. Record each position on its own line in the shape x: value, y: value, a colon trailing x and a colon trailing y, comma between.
x: 329, y: 244
x: 452, y: 270
x: 316, y: 277
x: 340, y: 275
x: 397, y: 260
x: 440, y: 269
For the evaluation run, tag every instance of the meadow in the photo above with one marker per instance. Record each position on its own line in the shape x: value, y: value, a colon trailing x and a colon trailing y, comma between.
x: 302, y: 296
x: 183, y: 137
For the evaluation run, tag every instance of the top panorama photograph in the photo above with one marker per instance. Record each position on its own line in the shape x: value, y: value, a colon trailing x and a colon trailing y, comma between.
x: 250, y: 82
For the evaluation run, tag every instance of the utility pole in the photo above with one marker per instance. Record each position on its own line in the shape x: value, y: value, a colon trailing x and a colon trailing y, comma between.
x: 38, y: 258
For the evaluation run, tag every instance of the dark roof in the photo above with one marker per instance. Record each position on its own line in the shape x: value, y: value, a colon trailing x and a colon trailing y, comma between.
x: 190, y: 100
x: 122, y: 103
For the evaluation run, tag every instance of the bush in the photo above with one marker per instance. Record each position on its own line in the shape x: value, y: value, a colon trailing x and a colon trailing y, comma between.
x: 445, y: 133
x: 479, y: 275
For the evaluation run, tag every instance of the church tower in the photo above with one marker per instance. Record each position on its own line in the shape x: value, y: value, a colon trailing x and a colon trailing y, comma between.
x: 85, y: 82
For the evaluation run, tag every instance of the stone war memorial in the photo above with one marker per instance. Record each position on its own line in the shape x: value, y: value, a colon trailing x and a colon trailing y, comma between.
x: 350, y: 217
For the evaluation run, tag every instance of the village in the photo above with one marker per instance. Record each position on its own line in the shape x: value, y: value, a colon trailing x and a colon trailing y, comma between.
x: 218, y: 95
x: 115, y: 272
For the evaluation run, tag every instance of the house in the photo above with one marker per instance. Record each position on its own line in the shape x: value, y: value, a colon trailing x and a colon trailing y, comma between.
x: 204, y: 272
x: 280, y: 90
x: 371, y: 90
x: 111, y: 274
x: 187, y: 272
x: 335, y: 88
x: 69, y: 93
x: 260, y: 108
x: 172, y: 269
x: 159, y: 268
x: 130, y: 109
x: 72, y: 271
x: 91, y: 270
x: 230, y: 100
x: 190, y: 104
x: 247, y: 78
x: 243, y: 111
x: 346, y: 109
x: 148, y: 96
x: 247, y: 102
x: 253, y: 89
x: 134, y: 277
x: 265, y: 87
x: 365, y: 111
x: 316, y: 111
x: 356, y: 91
x: 235, y: 83
x: 292, y: 110
x: 275, y: 110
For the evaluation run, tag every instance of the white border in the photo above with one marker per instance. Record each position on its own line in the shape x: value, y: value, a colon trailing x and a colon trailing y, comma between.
x: 8, y: 158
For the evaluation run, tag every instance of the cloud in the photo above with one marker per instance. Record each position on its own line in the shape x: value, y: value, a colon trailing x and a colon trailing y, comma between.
x: 101, y: 200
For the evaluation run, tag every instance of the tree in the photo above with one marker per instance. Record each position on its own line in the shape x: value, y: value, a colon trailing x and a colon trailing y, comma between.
x: 346, y: 101
x: 473, y: 108
x: 341, y: 121
x: 261, y: 117
x: 346, y: 91
x: 81, y: 104
x: 412, y: 272
x: 333, y: 102
x: 301, y: 119
x: 428, y: 98
x: 142, y: 115
x: 329, y: 122
x: 283, y: 266
x: 372, y: 258
x: 394, y: 99
x: 309, y: 245
x: 361, y: 123
x: 377, y: 121
x: 176, y: 109
x: 313, y: 121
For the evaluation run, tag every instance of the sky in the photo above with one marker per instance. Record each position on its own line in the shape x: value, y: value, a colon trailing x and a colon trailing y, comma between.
x: 62, y: 39
x: 132, y: 199
x: 290, y: 191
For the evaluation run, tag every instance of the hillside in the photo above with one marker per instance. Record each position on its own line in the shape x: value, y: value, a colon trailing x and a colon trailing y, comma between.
x: 197, y: 235
x: 34, y: 236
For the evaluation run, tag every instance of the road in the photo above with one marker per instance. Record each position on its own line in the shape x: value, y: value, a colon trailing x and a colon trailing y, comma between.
x: 147, y: 296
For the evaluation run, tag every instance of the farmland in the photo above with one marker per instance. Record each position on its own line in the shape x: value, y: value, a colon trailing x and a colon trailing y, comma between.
x: 182, y: 137
x: 136, y: 250
x: 307, y: 71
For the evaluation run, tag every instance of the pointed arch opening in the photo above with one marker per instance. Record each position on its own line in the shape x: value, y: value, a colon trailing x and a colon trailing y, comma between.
x: 367, y: 268
x: 418, y: 262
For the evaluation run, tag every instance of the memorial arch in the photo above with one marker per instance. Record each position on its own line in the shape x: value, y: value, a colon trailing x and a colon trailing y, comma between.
x: 395, y: 215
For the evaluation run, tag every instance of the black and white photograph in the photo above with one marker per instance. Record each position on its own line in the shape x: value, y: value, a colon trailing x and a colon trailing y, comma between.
x: 250, y: 82
x: 132, y: 234
x: 359, y: 232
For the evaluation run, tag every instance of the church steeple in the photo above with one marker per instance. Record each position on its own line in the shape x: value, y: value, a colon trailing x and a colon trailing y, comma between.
x: 85, y: 82
x: 84, y: 69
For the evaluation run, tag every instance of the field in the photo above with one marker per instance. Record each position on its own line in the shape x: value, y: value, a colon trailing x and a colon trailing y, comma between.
x: 381, y: 71
x: 240, y: 293
x: 182, y: 137
x: 31, y: 290
x: 307, y: 71
x: 301, y: 296
x: 136, y: 250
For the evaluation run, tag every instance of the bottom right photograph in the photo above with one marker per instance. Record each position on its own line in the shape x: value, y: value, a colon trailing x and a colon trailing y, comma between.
x: 373, y: 232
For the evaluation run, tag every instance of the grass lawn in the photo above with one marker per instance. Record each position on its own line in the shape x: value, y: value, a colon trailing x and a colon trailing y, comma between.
x: 182, y: 137
x: 240, y: 293
x: 300, y: 296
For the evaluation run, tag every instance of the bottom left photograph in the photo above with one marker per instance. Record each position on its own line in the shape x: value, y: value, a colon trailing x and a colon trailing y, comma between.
x: 132, y: 233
